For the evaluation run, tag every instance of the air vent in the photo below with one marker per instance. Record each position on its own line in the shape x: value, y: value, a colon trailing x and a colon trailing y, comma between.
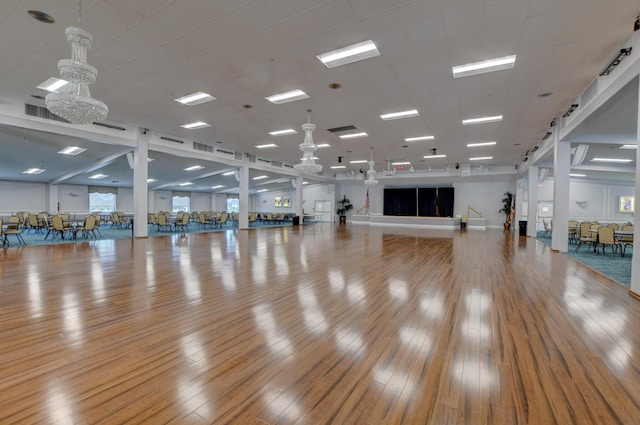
x: 41, y: 112
x: 252, y: 158
x: 266, y: 161
x: 111, y: 126
x: 340, y: 129
x: 169, y: 139
x: 238, y: 156
x: 202, y: 147
x: 276, y: 164
x: 288, y: 166
x: 224, y: 152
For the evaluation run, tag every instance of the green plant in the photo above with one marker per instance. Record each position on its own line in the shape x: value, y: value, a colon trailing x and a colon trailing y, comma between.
x: 344, y: 205
x: 507, y: 202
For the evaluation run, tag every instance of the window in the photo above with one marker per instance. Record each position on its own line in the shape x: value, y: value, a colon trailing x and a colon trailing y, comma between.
x: 233, y: 204
x: 103, y: 202
x: 181, y: 203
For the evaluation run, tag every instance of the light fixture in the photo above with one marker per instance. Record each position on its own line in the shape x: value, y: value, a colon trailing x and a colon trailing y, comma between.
x: 195, y: 125
x: 305, y: 182
x: 324, y: 145
x: 53, y: 84
x: 338, y: 167
x: 229, y: 173
x: 623, y: 53
x: 151, y: 180
x: 482, y: 120
x: 98, y: 176
x: 193, y: 168
x: 434, y: 156
x: 261, y: 177
x: 196, y: 98
x: 547, y: 135
x: 289, y: 96
x: 74, y: 103
x: 579, y: 155
x: 483, y: 67
x: 308, y: 162
x: 218, y: 186
x: 418, y: 139
x: 401, y: 163
x: 353, y: 135
x: 267, y: 146
x: 401, y: 114
x: 185, y: 184
x: 480, y: 158
x: 358, y: 161
x: 72, y: 150
x: 283, y: 132
x: 629, y: 147
x: 476, y: 145
x: 371, y: 172
x: 573, y: 107
x: 33, y: 171
x: 619, y: 160
x: 263, y: 190
x: 577, y: 175
x: 349, y: 54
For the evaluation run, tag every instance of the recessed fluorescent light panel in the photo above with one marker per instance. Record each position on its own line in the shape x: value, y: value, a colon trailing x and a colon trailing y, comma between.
x: 261, y: 177
x: 72, y: 150
x: 324, y: 145
x: 629, y: 147
x: 263, y: 190
x: 418, y: 139
x: 229, y: 173
x: 151, y: 180
x: 289, y: 96
x: 219, y: 186
x: 53, y: 84
x: 196, y: 98
x: 194, y: 168
x: 283, y: 132
x: 349, y: 54
x: 338, y: 167
x: 482, y: 120
x: 619, y: 160
x: 98, y: 176
x: 354, y: 135
x: 358, y: 161
x: 577, y: 175
x: 401, y: 163
x: 480, y: 158
x: 185, y: 184
x: 482, y: 67
x: 401, y: 114
x: 476, y: 145
x: 305, y: 182
x: 33, y: 171
x: 195, y: 125
x: 434, y: 156
x: 267, y: 146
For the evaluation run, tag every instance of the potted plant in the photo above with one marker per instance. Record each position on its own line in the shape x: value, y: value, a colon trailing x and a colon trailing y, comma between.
x: 344, y: 205
x: 507, y: 206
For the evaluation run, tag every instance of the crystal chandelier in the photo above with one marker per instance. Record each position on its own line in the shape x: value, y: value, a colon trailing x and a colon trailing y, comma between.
x: 307, y: 163
x: 371, y: 172
x: 75, y: 103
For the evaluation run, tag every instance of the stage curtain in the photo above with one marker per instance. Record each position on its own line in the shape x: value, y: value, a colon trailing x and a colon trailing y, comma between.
x: 400, y: 202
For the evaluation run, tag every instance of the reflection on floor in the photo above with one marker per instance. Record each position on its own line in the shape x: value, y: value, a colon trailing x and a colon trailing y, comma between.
x: 109, y: 232
x: 616, y: 267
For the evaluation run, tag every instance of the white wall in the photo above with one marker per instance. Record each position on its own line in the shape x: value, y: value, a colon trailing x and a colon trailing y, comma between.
x: 22, y: 196
x: 200, y: 201
x: 73, y: 199
x: 162, y: 200
x: 124, y: 200
x: 265, y: 202
x: 318, y: 192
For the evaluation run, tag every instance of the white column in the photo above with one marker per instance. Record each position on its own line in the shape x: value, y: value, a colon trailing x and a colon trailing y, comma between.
x: 243, y: 218
x: 53, y: 197
x: 532, y: 205
x: 299, y: 197
x: 140, y: 186
x: 561, y: 168
x: 520, y: 182
x: 635, y: 261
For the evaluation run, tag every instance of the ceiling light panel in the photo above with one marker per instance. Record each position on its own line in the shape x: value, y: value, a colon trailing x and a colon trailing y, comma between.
x: 267, y: 146
x: 577, y: 175
x: 338, y: 167
x: 354, y: 135
x: 98, y: 176
x: 283, y: 132
x: 33, y: 171
x: 194, y: 168
x: 358, y: 161
x: 482, y: 120
x: 260, y: 177
x: 477, y: 145
x: 629, y: 147
x: 195, y: 125
x: 434, y: 156
x: 286, y: 97
x: 480, y: 158
x: 483, y: 67
x: 401, y: 163
x: 263, y: 190
x: 418, y: 139
x: 229, y: 173
x: 72, y: 150
x: 324, y: 145
x: 185, y: 184
x: 53, y: 85
x: 151, y: 180
x: 196, y: 98
x: 219, y: 186
x: 618, y: 160
x: 401, y: 114
x: 349, y: 54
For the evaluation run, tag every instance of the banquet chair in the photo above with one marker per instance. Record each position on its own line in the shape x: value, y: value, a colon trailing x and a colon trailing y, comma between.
x: 585, y: 235
x: 13, y: 228
x: 548, y: 227
x: 88, y: 227
x: 626, y: 240
x: 606, y: 237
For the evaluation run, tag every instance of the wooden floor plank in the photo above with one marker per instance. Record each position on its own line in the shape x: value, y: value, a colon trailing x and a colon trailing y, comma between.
x: 314, y: 325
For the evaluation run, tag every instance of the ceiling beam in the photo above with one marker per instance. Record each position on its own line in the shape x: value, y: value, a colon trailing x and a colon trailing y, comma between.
x: 95, y: 166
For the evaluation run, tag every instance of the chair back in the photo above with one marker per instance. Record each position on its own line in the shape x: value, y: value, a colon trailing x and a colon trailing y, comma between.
x: 464, y: 218
x: 13, y: 223
x: 626, y: 238
x: 33, y: 220
x: 89, y: 222
x: 223, y: 217
x: 56, y: 220
x: 185, y: 219
x: 162, y: 220
x: 605, y: 235
x: 585, y: 233
x: 613, y: 226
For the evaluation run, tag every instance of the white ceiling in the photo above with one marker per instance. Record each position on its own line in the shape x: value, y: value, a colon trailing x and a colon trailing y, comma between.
x: 150, y: 52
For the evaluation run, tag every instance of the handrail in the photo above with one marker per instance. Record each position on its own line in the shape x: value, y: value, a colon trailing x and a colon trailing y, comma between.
x: 470, y: 208
x: 365, y: 208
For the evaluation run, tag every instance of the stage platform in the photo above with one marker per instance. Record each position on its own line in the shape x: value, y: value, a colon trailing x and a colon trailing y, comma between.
x: 442, y: 223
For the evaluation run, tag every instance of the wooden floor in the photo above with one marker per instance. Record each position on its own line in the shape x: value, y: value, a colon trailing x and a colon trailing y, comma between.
x: 314, y: 325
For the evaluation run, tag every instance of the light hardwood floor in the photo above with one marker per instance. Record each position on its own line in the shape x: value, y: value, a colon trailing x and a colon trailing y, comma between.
x: 314, y: 325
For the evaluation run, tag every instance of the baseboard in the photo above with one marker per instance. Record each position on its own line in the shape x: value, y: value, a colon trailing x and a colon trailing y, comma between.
x: 634, y: 295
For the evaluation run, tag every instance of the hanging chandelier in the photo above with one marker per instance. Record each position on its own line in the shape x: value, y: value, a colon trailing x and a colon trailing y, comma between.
x: 371, y: 172
x: 307, y: 162
x: 75, y: 103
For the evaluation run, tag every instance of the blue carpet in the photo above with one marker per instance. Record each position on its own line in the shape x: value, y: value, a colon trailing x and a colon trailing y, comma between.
x: 616, y: 267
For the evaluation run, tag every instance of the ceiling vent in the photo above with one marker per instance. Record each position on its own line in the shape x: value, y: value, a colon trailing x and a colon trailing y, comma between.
x: 238, y: 156
x: 288, y: 166
x: 169, y: 139
x: 111, y: 126
x: 341, y: 129
x: 276, y: 164
x: 252, y: 158
x: 203, y: 147
x: 41, y: 112
x: 266, y: 161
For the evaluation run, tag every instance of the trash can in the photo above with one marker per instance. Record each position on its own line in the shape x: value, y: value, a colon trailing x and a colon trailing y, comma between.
x: 296, y: 220
x: 522, y: 225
